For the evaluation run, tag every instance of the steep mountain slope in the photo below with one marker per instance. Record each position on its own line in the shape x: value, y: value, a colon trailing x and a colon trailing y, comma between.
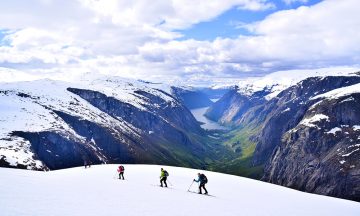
x: 252, y: 92
x: 321, y: 154
x: 287, y: 109
x: 295, y: 137
x: 52, y: 124
x: 191, y: 97
x: 233, y: 105
x: 94, y: 191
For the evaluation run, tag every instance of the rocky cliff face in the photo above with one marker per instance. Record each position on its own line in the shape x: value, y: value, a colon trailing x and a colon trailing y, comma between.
x: 49, y: 124
x: 307, y: 137
x: 287, y: 109
x: 321, y: 154
x: 230, y: 108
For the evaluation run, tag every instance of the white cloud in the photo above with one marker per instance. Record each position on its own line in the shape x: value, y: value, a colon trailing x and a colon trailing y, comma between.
x: 309, y: 37
x: 174, y: 14
x: 64, y: 39
x: 258, y: 5
x: 289, y: 2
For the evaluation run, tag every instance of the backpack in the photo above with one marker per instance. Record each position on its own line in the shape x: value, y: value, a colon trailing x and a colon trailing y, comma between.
x: 121, y: 168
x: 203, y: 178
x: 166, y: 173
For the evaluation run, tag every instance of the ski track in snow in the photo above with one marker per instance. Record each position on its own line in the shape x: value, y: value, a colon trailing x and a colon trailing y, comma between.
x: 96, y: 191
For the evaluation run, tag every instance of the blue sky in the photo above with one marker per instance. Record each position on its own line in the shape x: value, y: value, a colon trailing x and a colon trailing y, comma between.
x: 227, y: 24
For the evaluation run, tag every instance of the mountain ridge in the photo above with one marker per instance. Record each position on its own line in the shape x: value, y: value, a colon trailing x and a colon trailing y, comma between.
x: 142, y: 124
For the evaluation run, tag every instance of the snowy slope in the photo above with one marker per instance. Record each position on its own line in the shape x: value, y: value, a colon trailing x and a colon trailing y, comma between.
x: 29, y: 107
x: 340, y: 92
x: 278, y: 81
x: 94, y: 191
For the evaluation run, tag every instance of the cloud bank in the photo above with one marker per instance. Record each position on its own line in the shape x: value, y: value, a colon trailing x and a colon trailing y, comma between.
x: 141, y: 39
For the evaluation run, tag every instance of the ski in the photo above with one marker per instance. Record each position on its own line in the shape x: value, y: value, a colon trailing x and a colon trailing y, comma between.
x: 162, y: 187
x: 201, y: 194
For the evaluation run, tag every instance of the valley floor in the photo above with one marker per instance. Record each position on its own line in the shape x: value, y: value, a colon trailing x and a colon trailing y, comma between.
x: 96, y: 191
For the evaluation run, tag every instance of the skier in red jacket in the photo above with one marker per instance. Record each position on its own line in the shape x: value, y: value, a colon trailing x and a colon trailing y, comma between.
x: 121, y: 170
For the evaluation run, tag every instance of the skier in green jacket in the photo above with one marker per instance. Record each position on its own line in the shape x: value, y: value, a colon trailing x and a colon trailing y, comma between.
x: 163, y: 176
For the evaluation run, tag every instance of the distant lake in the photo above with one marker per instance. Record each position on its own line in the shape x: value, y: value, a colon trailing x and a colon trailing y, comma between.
x: 208, y: 124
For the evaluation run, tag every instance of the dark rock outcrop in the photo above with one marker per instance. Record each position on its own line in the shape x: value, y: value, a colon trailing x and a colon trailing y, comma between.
x: 319, y: 157
x: 287, y: 109
x: 322, y: 158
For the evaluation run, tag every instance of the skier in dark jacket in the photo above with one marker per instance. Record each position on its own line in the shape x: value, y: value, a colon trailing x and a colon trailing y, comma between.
x: 202, y: 179
x: 163, y: 176
x: 87, y: 163
x: 121, y: 170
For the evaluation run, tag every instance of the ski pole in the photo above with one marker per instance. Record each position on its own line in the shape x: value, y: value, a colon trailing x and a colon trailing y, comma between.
x: 190, y: 185
x: 170, y: 183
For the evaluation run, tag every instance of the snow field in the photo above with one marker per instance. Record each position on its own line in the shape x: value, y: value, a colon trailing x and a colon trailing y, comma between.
x: 96, y: 191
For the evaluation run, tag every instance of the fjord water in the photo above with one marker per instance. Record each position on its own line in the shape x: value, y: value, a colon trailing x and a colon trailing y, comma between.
x: 207, y: 123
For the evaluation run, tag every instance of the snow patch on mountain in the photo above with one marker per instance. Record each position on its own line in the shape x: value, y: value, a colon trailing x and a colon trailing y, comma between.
x: 315, y: 105
x: 347, y: 99
x: 276, y: 82
x: 286, y: 110
x: 340, y: 92
x: 310, y: 122
x: 125, y: 90
x: 334, y: 130
x: 346, y: 152
x: 16, y: 150
x: 356, y: 127
x: 350, y: 153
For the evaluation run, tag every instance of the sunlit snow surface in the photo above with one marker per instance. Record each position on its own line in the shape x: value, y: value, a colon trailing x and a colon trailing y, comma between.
x: 95, y: 191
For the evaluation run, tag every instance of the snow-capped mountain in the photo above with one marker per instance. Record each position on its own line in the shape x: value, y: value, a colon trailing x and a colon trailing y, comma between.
x: 54, y: 124
x: 96, y: 191
x: 307, y: 137
x: 313, y: 125
x: 251, y: 92
x: 276, y: 82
